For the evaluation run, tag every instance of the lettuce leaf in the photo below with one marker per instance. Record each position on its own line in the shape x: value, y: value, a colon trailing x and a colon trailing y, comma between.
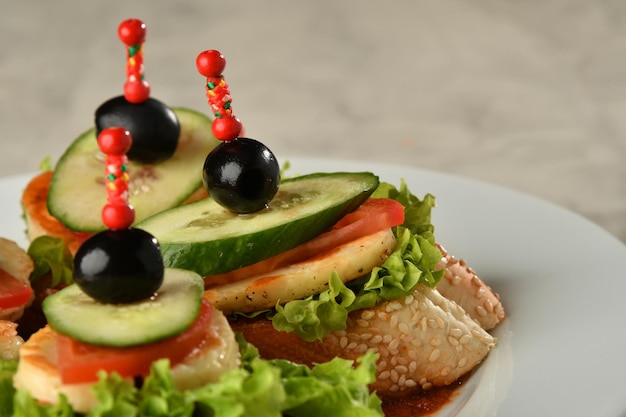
x: 51, y: 256
x: 260, y: 388
x: 411, y: 263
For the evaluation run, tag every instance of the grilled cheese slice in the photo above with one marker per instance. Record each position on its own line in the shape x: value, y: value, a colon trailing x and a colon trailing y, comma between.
x: 37, y: 370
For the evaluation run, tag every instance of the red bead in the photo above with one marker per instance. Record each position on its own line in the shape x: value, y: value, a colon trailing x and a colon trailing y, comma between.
x: 132, y: 32
x: 118, y: 216
x: 226, y: 128
x: 136, y: 92
x: 210, y: 63
x: 114, y: 141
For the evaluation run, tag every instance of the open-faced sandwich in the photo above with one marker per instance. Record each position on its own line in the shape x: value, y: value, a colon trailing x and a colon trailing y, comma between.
x: 317, y: 293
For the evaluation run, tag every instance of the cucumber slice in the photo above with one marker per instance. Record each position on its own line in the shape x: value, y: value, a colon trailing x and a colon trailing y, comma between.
x: 206, y: 238
x: 173, y: 310
x: 77, y: 194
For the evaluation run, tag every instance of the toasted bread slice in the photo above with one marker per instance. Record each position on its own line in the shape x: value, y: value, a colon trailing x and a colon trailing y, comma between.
x: 37, y: 371
x: 423, y: 340
x: 461, y: 285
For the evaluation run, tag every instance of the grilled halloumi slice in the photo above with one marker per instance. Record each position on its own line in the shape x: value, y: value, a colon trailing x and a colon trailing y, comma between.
x: 351, y: 260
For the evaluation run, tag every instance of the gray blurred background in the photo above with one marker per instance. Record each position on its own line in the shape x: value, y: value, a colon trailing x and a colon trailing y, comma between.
x: 529, y: 95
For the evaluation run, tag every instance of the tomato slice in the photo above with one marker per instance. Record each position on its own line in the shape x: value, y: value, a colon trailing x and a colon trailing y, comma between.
x: 374, y: 215
x: 80, y: 362
x: 13, y: 292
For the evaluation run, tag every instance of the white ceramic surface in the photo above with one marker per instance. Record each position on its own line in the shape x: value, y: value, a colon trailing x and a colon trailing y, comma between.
x: 561, y: 348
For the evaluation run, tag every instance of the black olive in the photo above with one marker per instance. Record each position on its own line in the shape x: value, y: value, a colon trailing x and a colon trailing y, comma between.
x: 119, y: 266
x: 153, y: 126
x: 242, y: 175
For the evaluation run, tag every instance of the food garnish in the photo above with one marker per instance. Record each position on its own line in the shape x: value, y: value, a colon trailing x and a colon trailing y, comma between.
x: 241, y: 174
x: 153, y: 125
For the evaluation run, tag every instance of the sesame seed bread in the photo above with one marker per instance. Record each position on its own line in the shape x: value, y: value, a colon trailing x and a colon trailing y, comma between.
x: 16, y: 262
x: 37, y: 371
x: 461, y: 284
x: 423, y: 340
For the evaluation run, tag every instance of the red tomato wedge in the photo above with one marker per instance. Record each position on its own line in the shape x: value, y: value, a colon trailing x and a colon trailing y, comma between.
x: 80, y: 363
x: 374, y: 215
x: 13, y: 292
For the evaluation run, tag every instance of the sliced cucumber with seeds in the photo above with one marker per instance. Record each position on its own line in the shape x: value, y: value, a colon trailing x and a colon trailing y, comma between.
x: 206, y: 238
x: 173, y: 310
x: 77, y: 194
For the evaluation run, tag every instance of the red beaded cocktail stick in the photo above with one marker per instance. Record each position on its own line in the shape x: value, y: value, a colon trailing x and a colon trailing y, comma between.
x: 132, y: 32
x: 117, y: 213
x: 225, y: 126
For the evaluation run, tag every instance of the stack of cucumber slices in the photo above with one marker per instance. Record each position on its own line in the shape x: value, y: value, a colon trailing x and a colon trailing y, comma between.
x: 197, y: 239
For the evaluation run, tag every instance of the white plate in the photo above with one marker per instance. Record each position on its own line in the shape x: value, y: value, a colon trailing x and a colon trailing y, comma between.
x: 562, y: 349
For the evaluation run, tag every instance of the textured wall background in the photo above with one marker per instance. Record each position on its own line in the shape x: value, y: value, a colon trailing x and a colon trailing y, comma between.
x: 529, y: 95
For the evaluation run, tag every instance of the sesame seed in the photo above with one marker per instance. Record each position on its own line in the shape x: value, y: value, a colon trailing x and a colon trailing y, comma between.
x: 404, y: 328
x: 410, y: 383
x: 362, y: 323
x: 402, y: 380
x: 412, y: 366
x: 394, y: 344
x: 402, y: 369
x: 427, y: 386
x: 456, y: 280
x: 462, y: 362
x: 368, y: 314
x: 453, y: 341
x: 423, y: 325
x: 362, y: 348
x: 384, y: 375
x: 480, y: 292
x: 415, y: 317
x: 434, y: 355
x: 343, y: 342
x: 387, y: 339
x: 394, y: 376
x: 366, y: 336
x: 480, y: 310
x: 394, y: 321
x: 351, y: 346
x: 376, y: 339
x: 465, y: 339
x: 435, y: 341
x: 445, y: 371
x: 456, y: 332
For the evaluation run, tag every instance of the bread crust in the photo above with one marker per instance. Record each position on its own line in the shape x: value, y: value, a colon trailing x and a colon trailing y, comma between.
x: 37, y: 371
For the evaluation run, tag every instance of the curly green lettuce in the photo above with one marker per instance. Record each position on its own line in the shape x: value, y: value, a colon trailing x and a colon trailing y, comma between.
x: 260, y: 388
x: 51, y: 256
x: 411, y: 263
